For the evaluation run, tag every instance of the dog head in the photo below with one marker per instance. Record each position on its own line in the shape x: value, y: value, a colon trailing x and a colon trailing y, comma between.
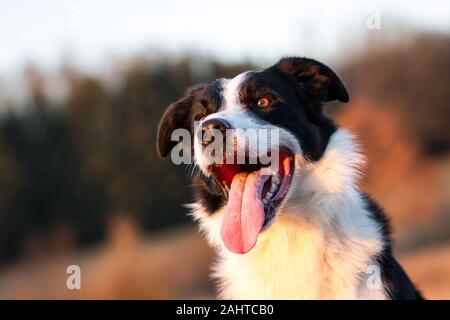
x: 282, y: 108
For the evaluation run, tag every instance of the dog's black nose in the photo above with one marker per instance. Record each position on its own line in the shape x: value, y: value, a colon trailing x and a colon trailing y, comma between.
x: 218, y: 124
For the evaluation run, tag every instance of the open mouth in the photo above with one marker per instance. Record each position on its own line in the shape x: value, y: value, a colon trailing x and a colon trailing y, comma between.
x: 254, y: 192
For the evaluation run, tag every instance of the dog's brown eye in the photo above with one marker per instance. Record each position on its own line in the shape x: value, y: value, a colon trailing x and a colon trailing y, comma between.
x: 263, y: 102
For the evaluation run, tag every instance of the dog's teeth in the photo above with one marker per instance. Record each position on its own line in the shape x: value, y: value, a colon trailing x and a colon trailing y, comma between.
x: 273, y: 187
x: 275, y: 179
x: 275, y: 182
x: 268, y: 195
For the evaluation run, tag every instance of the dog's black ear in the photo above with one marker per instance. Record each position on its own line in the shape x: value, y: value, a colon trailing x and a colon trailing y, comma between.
x: 177, y: 115
x: 318, y: 80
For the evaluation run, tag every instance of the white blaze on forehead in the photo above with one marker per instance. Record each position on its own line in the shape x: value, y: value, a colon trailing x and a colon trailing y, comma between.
x: 231, y: 90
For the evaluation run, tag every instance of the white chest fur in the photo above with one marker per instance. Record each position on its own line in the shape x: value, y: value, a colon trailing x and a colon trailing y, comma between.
x: 294, y: 260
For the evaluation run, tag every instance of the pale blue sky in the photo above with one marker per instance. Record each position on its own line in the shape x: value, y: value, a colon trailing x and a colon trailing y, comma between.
x: 89, y: 32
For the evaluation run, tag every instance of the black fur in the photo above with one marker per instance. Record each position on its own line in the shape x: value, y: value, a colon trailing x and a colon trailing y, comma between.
x: 294, y: 107
x: 198, y: 101
x: 209, y: 193
x: 177, y: 115
x: 315, y: 78
x: 398, y: 284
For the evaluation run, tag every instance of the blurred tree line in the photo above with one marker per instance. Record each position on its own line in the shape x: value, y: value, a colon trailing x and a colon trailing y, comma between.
x: 411, y: 74
x: 74, y: 163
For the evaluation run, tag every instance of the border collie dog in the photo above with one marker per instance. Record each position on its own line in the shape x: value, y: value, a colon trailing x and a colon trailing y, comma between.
x: 303, y: 230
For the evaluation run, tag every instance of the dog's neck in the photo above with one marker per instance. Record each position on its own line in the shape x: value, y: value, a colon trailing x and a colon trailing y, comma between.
x: 323, y: 243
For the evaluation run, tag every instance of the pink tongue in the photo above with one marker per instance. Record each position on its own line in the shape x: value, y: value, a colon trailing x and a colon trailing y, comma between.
x: 244, y: 213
